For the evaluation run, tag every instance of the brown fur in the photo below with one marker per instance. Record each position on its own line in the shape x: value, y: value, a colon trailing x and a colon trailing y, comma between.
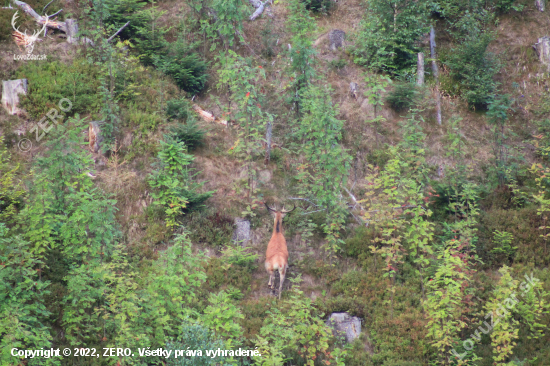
x: 276, y: 257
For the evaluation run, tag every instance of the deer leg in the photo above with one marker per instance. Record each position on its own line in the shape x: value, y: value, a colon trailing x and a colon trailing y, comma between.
x: 282, y: 274
x: 271, y: 279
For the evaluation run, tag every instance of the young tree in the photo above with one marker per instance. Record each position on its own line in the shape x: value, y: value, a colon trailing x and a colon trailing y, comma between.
x: 174, y: 180
x: 240, y: 78
x: 387, y: 40
x: 326, y: 170
x: 11, y: 192
x: 64, y: 210
x: 23, y: 314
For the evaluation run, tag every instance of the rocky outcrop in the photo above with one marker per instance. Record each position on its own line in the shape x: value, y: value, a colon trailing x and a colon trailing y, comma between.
x: 241, y: 235
x: 344, y: 326
x: 336, y: 38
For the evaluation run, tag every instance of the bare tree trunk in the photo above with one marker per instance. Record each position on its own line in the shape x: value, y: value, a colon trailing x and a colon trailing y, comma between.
x: 436, y: 75
x: 94, y: 136
x: 10, y: 94
x: 543, y: 50
x: 268, y: 141
x: 420, y: 69
x: 72, y: 30
x: 540, y: 4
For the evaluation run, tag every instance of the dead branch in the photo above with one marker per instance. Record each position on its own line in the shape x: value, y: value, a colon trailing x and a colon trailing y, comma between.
x: 259, y: 8
x: 42, y: 19
x: 117, y: 32
x: 48, y: 4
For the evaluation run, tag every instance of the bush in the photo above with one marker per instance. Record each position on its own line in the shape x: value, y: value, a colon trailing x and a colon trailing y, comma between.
x: 402, y: 97
x: 49, y: 82
x: 190, y: 133
x: 195, y: 337
x: 210, y: 228
x: 177, y: 109
x: 186, y: 68
x: 235, y: 254
x: 474, y: 68
x: 319, y: 6
x: 337, y: 64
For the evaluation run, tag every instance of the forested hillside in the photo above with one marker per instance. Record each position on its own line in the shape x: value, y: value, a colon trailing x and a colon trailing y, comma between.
x: 151, y: 151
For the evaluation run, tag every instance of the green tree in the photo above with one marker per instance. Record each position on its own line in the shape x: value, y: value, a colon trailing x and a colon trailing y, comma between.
x: 388, y: 35
x: 11, y: 192
x: 240, y: 78
x: 325, y: 171
x: 63, y: 209
x: 302, y: 54
x: 498, y: 111
x: 23, y: 314
x: 173, y: 180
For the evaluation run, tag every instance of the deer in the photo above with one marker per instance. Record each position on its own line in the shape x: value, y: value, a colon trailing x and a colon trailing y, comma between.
x: 276, y: 256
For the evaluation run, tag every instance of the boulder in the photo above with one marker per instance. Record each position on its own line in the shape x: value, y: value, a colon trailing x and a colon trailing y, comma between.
x: 10, y: 94
x: 344, y: 325
x: 241, y: 235
x: 336, y: 39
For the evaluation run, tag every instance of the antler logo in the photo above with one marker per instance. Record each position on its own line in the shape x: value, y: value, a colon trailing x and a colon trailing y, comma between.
x: 25, y: 40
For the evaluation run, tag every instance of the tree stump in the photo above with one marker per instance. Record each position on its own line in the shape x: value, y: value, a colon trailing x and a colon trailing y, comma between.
x: 94, y: 136
x: 543, y: 50
x: 353, y: 89
x: 336, y: 38
x: 420, y: 69
x: 540, y: 4
x: 72, y: 30
x: 345, y: 325
x: 10, y: 94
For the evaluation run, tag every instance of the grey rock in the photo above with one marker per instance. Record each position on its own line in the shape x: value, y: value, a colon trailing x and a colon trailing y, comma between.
x: 336, y: 38
x: 241, y: 235
x: 345, y: 325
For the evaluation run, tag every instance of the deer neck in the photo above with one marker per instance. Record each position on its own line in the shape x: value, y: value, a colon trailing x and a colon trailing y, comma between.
x: 278, y: 224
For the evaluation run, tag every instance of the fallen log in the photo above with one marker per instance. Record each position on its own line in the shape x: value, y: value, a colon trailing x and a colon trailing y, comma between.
x: 70, y: 27
x: 62, y: 26
x: 259, y: 8
x: 207, y: 116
